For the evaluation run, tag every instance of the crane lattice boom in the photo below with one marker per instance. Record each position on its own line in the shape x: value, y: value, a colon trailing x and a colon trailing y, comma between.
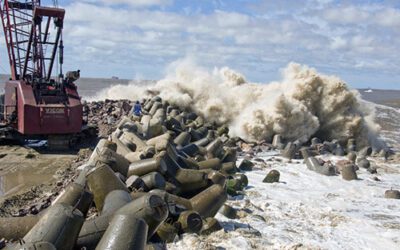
x: 31, y: 46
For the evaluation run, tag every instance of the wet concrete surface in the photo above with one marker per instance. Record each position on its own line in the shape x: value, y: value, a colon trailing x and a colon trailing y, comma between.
x: 22, y: 168
x: 13, y: 181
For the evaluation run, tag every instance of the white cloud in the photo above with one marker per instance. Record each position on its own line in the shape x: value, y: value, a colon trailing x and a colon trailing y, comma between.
x: 135, y: 3
x: 389, y: 17
x: 229, y: 19
x: 335, y: 37
x: 364, y: 15
x: 338, y: 43
x: 346, y: 15
x: 363, y: 44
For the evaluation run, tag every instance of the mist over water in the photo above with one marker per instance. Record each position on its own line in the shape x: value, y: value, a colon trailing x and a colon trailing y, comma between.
x: 302, y: 105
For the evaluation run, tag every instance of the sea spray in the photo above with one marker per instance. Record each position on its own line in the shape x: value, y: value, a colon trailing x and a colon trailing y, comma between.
x: 304, y: 104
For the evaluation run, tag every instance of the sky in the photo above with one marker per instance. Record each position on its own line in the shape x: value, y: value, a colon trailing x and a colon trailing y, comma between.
x: 355, y: 40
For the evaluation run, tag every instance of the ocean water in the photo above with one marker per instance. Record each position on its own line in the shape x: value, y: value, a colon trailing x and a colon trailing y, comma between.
x: 89, y: 87
x: 86, y: 86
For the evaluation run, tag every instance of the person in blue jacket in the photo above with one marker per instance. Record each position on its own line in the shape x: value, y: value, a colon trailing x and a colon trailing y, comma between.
x: 137, y: 109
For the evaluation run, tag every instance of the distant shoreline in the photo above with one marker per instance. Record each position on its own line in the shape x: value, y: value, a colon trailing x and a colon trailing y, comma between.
x: 3, y: 76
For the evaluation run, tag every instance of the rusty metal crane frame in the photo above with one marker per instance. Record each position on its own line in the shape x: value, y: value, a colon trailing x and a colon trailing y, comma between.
x: 26, y: 37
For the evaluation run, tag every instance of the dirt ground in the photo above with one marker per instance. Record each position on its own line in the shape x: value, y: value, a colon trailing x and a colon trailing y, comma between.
x: 30, y: 180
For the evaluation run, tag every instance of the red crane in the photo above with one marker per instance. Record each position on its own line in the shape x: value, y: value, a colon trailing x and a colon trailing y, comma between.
x: 37, y: 104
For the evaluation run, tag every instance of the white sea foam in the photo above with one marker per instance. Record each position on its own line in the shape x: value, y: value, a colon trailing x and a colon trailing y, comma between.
x: 307, y: 210
x: 303, y: 104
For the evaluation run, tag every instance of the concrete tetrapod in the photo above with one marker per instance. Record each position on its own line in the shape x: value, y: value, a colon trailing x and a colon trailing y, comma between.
x: 182, y: 139
x: 125, y: 231
x: 146, y: 166
x: 122, y: 147
x: 202, y: 142
x: 152, y: 209
x: 228, y: 211
x: 188, y: 163
x: 352, y: 156
x: 117, y: 162
x: 246, y: 165
x: 134, y: 182
x: 191, y: 180
x: 349, y: 172
x: 191, y: 149
x: 77, y: 196
x: 229, y: 168
x: 314, y: 165
x: 156, y: 105
x: 244, y: 181
x: 214, y: 148
x: 214, y: 163
x: 153, y: 180
x: 149, y: 207
x: 392, y: 194
x: 208, y: 202
x: 145, y: 121
x: 272, y: 176
x: 60, y: 226
x: 160, y: 115
x: 172, y: 188
x: 167, y: 232
x: 154, y: 141
x: 101, y: 181
x: 74, y: 195
x: 103, y: 143
x: 230, y: 155
x: 233, y: 186
x: 190, y: 222
x: 364, y: 152
x: 168, y: 198
x: 289, y: 151
x: 195, y: 134
x: 223, y: 130
x: 115, y: 200
x: 363, y: 163
x: 129, y: 145
x: 217, y: 178
x: 132, y: 138
x: 155, y: 128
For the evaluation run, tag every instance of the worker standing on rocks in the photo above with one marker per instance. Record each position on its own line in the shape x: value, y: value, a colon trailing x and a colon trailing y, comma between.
x: 137, y: 109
